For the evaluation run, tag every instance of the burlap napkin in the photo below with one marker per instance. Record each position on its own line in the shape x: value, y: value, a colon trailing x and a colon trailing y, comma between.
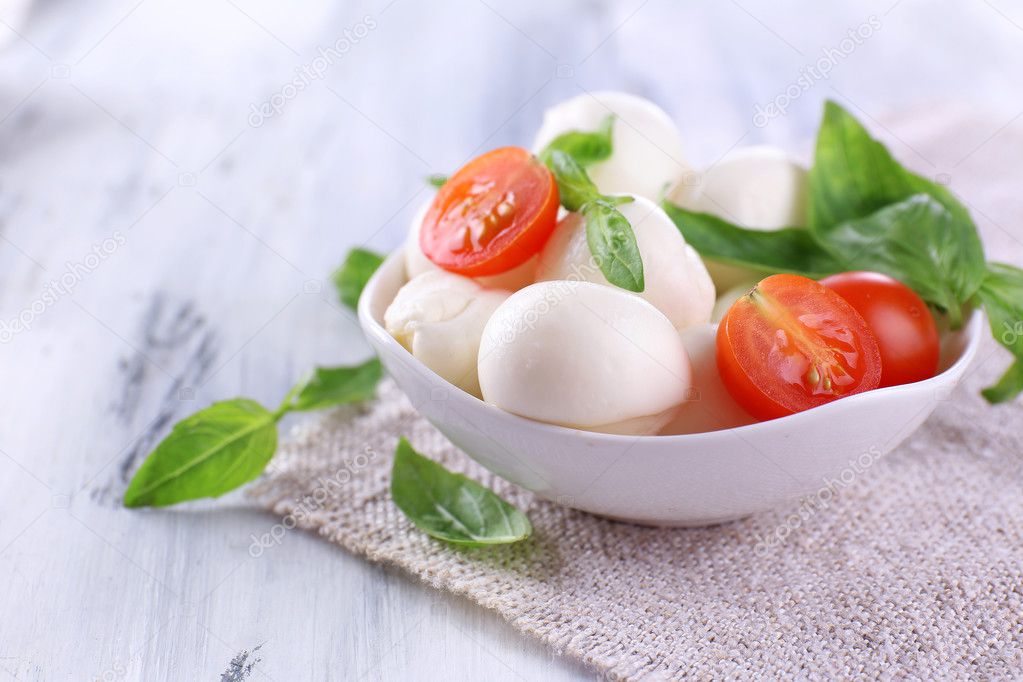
x: 910, y: 568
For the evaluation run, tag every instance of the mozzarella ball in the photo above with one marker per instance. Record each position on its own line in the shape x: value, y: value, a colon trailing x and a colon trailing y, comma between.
x: 708, y: 406
x: 676, y: 280
x: 586, y: 356
x: 646, y: 148
x: 439, y: 317
x: 761, y: 188
x: 416, y: 262
x: 730, y: 296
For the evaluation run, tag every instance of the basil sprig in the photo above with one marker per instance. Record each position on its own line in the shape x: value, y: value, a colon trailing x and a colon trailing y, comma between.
x: 351, y: 277
x: 229, y: 443
x: 867, y: 212
x: 451, y: 507
x: 874, y: 214
x: 609, y: 235
x: 870, y: 213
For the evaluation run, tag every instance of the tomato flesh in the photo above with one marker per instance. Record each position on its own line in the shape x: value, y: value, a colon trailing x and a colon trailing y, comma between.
x: 492, y: 215
x: 791, y: 344
x: 901, y: 322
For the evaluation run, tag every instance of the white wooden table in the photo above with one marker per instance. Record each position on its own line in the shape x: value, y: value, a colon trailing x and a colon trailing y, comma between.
x: 190, y: 239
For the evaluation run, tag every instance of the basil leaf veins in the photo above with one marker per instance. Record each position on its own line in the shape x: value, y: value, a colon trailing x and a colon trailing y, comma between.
x: 920, y: 243
x: 451, y: 507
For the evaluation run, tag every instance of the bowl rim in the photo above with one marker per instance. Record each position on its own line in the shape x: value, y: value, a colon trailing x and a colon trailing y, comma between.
x: 972, y: 330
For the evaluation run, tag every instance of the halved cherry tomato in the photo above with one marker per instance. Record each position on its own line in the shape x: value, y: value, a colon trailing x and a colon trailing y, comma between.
x: 902, y: 324
x: 493, y: 215
x: 791, y: 344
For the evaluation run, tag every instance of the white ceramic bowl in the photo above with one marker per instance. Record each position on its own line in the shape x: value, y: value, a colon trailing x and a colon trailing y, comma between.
x: 688, y: 480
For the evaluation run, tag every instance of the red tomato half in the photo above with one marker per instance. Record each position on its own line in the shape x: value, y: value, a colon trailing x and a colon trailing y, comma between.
x: 902, y: 324
x: 493, y: 215
x: 791, y: 344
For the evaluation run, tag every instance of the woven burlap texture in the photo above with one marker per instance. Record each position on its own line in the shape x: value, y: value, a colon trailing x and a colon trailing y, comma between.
x: 909, y: 567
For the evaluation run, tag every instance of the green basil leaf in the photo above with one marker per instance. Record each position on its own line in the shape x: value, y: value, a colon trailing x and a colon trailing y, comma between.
x: 330, y: 386
x: 451, y: 507
x: 1002, y: 296
x: 609, y: 235
x: 920, y: 243
x: 207, y: 454
x: 351, y: 278
x: 437, y: 180
x: 854, y: 175
x: 1008, y: 387
x: 574, y: 186
x: 586, y: 148
x: 792, y: 249
x: 613, y: 245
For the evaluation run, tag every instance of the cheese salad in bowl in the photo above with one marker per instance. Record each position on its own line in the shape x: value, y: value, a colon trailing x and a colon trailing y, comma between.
x: 598, y: 321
